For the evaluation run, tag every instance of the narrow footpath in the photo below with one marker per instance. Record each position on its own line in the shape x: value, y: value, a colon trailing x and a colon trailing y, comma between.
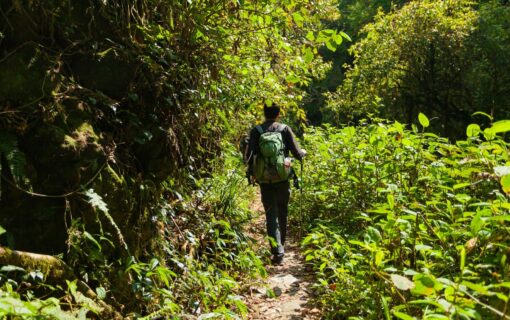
x: 287, y: 292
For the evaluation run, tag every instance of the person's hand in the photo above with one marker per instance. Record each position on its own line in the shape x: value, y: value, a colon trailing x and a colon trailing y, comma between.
x: 303, y: 151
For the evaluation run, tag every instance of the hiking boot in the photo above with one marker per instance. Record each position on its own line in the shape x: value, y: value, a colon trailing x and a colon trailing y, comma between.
x: 277, y: 259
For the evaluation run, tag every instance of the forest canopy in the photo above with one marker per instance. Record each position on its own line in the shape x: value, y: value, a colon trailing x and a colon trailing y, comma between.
x: 447, y: 59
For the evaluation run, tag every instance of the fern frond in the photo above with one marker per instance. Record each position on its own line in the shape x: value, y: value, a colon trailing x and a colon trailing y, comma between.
x: 98, y: 203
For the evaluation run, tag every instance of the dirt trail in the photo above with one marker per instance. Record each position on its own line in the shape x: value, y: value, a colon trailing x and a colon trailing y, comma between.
x: 286, y: 293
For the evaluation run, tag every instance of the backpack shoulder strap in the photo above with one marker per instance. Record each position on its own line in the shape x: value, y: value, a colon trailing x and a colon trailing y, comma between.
x: 259, y: 129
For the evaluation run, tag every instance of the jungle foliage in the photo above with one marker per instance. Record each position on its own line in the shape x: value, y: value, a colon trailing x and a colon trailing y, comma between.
x: 121, y: 194
x: 114, y: 118
x: 405, y: 224
x: 448, y: 59
x: 353, y: 16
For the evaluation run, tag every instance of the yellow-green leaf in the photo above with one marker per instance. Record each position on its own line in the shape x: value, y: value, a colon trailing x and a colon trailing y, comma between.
x: 391, y: 201
x: 310, y: 36
x: 424, y: 121
x: 505, y: 183
x: 472, y: 130
x: 501, y: 126
x: 489, y: 134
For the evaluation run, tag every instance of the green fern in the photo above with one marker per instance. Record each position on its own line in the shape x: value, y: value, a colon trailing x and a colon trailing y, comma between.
x: 15, y: 159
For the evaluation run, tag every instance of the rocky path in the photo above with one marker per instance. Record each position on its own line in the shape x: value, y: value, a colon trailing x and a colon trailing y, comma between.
x: 286, y: 293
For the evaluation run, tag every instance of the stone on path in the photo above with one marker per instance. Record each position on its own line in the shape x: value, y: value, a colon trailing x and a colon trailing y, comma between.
x: 282, y: 283
x: 288, y: 282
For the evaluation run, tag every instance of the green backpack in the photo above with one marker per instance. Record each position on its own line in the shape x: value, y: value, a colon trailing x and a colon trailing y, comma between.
x: 269, y: 163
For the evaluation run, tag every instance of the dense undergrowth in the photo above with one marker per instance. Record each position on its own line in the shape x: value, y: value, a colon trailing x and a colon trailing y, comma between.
x: 405, y: 224
x: 197, y: 267
x: 114, y: 116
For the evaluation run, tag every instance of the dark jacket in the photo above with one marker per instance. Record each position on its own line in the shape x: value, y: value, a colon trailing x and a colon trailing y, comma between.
x: 289, y: 140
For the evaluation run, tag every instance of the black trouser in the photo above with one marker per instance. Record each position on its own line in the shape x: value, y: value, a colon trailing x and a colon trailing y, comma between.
x: 275, y: 198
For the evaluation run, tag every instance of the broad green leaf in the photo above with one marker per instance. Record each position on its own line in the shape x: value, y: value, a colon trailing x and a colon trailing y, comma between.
x: 463, y: 198
x: 328, y: 32
x: 477, y: 223
x: 502, y: 297
x: 362, y: 244
x: 505, y: 183
x: 501, y: 126
x: 407, y: 142
x: 502, y: 284
x: 338, y: 39
x: 308, y: 56
x: 425, y: 285
x: 500, y: 205
x: 346, y: 36
x: 373, y: 234
x: 2, y: 230
x: 424, y: 121
x: 402, y: 282
x: 72, y: 287
x: 472, y: 130
x: 310, y: 36
x: 298, y: 18
x: 425, y: 302
x: 489, y: 134
x: 331, y: 45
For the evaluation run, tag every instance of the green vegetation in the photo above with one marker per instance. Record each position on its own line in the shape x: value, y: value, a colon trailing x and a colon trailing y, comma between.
x: 115, y: 117
x: 406, y: 224
x: 122, y: 194
x: 198, y: 262
x: 448, y: 59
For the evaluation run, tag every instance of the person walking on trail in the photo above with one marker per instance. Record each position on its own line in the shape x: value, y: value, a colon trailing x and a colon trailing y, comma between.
x: 269, y: 147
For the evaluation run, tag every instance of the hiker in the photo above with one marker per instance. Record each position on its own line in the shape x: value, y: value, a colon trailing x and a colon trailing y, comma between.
x: 270, y: 165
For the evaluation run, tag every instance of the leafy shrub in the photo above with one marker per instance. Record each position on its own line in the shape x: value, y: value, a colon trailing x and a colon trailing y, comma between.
x: 445, y: 58
x: 406, y: 224
x: 206, y: 253
x: 18, y: 291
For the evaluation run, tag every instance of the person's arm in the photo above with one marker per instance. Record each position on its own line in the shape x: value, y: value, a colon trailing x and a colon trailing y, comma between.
x: 293, y: 145
x: 252, y: 148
